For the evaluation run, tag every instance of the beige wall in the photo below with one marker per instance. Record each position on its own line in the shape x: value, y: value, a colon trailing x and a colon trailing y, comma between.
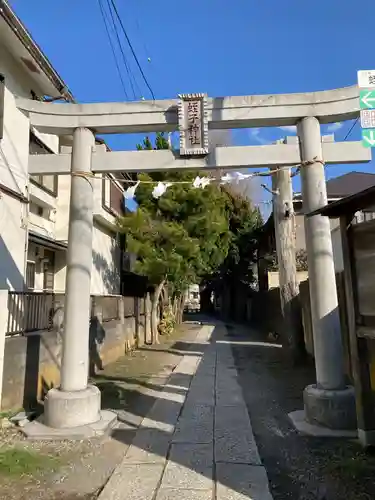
x: 15, y: 216
x: 12, y: 243
x: 105, y: 271
x: 335, y: 235
x: 300, y: 232
x: 13, y: 174
x: 273, y: 278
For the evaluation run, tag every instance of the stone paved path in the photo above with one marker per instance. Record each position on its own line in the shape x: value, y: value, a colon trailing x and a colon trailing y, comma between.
x: 196, y: 443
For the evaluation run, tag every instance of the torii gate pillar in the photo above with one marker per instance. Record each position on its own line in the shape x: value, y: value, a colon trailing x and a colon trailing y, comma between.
x: 329, y: 402
x: 75, y: 403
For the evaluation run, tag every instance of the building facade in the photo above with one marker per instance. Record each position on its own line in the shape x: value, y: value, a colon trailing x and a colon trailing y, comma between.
x: 34, y: 212
x: 337, y: 188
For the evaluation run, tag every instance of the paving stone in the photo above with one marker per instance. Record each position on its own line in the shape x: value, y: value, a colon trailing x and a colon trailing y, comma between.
x: 200, y: 397
x: 188, y: 365
x: 173, y: 494
x: 206, y: 370
x: 241, y: 482
x: 163, y: 415
x: 195, y: 425
x: 202, y: 391
x: 148, y: 446
x: 189, y: 467
x: 230, y: 398
x: 133, y: 482
x: 236, y: 448
x: 179, y: 380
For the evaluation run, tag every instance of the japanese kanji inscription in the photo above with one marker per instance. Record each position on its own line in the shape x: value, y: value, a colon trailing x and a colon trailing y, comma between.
x: 193, y: 124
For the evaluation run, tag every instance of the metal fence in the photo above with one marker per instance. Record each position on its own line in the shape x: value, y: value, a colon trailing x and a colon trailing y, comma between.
x: 29, y: 311
x: 129, y: 306
x: 107, y: 307
x: 32, y: 311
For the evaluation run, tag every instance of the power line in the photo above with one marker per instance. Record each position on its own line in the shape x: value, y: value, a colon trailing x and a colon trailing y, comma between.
x: 351, y: 128
x: 131, y: 47
x: 145, y: 47
x: 112, y: 48
x: 130, y: 76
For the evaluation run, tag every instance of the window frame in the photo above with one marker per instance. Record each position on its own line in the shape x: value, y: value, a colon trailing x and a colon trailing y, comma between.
x: 37, y: 180
x: 32, y: 263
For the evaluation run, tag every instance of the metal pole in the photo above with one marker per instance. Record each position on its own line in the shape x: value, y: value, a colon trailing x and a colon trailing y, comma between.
x: 3, y: 331
x: 322, y: 281
x: 74, y: 366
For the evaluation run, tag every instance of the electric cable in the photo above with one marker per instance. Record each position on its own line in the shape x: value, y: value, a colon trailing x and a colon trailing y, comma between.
x: 131, y: 47
x: 113, y: 48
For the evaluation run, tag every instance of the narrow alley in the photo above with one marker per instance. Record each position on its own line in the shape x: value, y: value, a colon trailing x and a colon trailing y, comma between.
x: 197, y: 441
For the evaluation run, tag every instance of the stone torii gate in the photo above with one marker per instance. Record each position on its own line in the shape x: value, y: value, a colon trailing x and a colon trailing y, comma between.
x: 76, y: 404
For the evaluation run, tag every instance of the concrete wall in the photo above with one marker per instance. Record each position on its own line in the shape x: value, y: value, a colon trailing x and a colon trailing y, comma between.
x: 12, y: 243
x: 337, y: 247
x: 335, y: 235
x: 307, y: 320
x: 273, y: 278
x: 300, y: 232
x: 15, y: 143
x: 13, y: 174
x: 105, y: 271
x: 266, y: 311
x: 32, y: 363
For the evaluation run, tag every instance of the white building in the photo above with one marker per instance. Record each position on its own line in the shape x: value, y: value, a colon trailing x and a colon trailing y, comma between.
x: 34, y: 211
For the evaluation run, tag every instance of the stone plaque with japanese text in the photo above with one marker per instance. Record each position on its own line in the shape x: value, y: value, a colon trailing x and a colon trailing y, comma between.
x: 193, y: 124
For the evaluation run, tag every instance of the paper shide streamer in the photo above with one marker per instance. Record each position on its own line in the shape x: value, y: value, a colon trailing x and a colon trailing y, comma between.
x: 198, y: 183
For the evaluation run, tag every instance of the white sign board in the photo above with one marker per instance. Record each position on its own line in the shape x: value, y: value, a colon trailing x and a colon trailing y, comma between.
x: 193, y: 124
x: 366, y: 78
x: 368, y: 118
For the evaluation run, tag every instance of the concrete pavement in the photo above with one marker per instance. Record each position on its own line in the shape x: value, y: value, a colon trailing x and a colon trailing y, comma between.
x: 196, y: 443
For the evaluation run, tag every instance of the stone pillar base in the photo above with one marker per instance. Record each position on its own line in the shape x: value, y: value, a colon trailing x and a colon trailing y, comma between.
x: 334, y: 409
x: 64, y: 410
x: 366, y: 438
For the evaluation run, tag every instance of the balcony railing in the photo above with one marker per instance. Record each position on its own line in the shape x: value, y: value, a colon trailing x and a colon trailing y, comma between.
x: 29, y: 311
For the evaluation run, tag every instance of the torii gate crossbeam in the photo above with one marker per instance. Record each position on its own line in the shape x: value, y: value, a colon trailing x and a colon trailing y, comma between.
x: 223, y: 112
x: 235, y: 157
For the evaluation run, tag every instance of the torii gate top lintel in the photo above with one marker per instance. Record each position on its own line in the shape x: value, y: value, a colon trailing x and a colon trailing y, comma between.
x: 223, y: 112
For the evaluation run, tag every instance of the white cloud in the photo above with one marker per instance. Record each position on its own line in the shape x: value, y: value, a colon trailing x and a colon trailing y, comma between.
x: 289, y: 128
x: 255, y: 135
x: 333, y: 127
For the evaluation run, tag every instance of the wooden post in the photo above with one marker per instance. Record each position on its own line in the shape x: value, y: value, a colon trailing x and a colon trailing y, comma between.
x: 360, y: 357
x: 286, y: 257
x: 148, y: 334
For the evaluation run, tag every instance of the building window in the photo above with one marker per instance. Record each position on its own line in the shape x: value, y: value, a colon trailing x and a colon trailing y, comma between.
x: 112, y: 196
x: 48, y: 270
x: 368, y: 216
x: 48, y: 183
x: 30, y: 275
x: 36, y: 209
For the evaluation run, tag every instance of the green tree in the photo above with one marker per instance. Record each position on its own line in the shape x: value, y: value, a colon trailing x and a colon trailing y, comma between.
x: 179, y: 237
x: 234, y: 277
x: 189, y: 234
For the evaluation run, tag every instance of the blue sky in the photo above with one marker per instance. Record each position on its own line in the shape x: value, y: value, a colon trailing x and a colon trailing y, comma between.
x: 219, y: 47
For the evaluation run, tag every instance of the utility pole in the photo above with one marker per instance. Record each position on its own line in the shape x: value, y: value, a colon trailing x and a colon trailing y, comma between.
x: 284, y: 221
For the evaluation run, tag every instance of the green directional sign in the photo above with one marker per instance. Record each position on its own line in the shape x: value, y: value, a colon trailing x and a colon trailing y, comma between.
x: 368, y: 137
x: 367, y: 99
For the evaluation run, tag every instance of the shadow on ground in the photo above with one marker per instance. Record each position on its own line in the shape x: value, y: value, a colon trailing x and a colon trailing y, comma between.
x: 298, y: 467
